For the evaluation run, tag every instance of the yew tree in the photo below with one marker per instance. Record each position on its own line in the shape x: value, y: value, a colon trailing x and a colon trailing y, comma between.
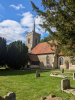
x: 2, y: 51
x: 17, y: 54
x: 61, y: 15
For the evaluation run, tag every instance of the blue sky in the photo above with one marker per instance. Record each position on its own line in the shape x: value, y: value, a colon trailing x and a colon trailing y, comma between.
x: 16, y: 19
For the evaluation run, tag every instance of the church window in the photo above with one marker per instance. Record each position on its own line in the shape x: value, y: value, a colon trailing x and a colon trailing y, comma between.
x: 73, y: 62
x: 28, y: 40
x: 61, y: 61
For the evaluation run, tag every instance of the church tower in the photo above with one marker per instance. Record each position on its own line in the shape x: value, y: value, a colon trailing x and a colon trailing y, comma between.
x: 32, y: 38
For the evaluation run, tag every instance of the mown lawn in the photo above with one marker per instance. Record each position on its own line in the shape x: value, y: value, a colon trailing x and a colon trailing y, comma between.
x: 28, y: 87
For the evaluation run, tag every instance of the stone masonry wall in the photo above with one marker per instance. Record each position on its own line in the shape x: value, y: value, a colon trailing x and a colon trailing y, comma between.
x: 32, y: 36
x: 65, y: 58
x: 29, y: 36
x: 43, y: 61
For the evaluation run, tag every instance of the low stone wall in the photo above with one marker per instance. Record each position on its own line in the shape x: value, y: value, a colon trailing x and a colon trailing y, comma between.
x: 72, y: 68
x: 9, y: 96
x: 34, y: 66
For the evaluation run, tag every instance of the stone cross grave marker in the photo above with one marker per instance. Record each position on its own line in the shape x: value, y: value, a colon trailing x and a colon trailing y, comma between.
x: 65, y: 84
x: 73, y: 76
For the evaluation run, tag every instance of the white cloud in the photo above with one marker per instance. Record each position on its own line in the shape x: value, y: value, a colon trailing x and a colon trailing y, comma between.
x: 17, y: 7
x: 11, y: 30
x: 27, y: 19
x: 1, y: 7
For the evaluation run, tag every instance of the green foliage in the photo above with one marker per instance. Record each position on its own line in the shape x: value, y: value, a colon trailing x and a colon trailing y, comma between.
x: 2, y: 50
x: 45, y: 39
x: 61, y: 15
x: 16, y: 55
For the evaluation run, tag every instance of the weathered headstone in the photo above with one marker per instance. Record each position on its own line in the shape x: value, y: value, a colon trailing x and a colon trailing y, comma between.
x: 73, y: 76
x: 62, y: 70
x: 6, y: 97
x: 65, y: 84
x: 1, y: 98
x: 43, y: 98
x: 10, y: 96
x: 52, y: 95
x: 37, y: 73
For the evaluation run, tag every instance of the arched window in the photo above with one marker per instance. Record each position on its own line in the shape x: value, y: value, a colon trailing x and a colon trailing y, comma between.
x: 73, y: 62
x: 61, y: 61
x: 48, y: 60
x: 28, y: 40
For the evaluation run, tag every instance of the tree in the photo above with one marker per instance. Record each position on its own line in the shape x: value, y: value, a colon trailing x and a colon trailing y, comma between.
x: 61, y: 15
x: 45, y: 39
x: 16, y: 55
x: 2, y: 51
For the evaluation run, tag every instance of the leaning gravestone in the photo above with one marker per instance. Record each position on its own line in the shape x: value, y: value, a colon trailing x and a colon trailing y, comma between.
x: 62, y: 70
x: 73, y: 76
x: 37, y: 73
x: 65, y: 84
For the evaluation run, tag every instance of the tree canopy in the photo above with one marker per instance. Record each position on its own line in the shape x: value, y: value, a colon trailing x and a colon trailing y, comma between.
x: 2, y: 50
x: 45, y: 39
x: 61, y: 15
x: 16, y: 55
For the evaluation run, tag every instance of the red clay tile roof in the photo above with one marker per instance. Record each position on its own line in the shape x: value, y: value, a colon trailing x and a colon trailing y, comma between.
x: 60, y: 53
x: 43, y: 48
x: 33, y: 57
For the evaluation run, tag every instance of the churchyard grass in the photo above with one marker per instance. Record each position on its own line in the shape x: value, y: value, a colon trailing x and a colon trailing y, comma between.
x: 28, y: 87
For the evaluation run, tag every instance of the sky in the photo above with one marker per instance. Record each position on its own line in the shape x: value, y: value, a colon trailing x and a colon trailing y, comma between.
x: 16, y: 19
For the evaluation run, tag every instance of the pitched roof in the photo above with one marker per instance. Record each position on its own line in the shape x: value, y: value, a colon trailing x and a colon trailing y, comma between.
x: 33, y: 57
x: 43, y: 48
x: 60, y: 54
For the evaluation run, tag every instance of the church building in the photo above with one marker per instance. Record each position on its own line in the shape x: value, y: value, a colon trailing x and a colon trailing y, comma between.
x: 41, y: 55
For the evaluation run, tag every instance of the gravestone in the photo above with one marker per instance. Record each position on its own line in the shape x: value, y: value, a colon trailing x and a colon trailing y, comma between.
x: 62, y: 70
x: 73, y: 76
x: 65, y: 84
x: 1, y: 98
x: 37, y: 73
x: 10, y: 96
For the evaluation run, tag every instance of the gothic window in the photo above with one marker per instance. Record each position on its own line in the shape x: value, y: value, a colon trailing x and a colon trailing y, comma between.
x: 73, y: 63
x: 61, y: 61
x: 28, y: 40
x: 48, y: 60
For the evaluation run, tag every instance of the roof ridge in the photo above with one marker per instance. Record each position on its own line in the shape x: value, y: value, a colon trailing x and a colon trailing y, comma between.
x: 45, y: 42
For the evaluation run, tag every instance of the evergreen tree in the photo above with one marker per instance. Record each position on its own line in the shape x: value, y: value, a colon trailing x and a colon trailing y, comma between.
x: 61, y: 15
x: 16, y: 55
x: 2, y: 51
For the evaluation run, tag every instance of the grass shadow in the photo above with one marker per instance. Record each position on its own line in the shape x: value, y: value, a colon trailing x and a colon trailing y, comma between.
x: 4, y: 72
